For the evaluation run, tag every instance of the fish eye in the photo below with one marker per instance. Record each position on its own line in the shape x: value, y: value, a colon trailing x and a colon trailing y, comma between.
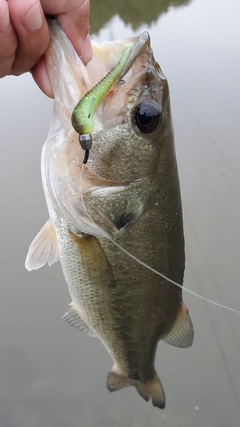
x: 147, y: 117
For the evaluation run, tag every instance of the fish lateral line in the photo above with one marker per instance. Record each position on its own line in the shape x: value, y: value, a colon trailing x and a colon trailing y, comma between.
x: 82, y: 116
x: 217, y: 304
x: 172, y: 281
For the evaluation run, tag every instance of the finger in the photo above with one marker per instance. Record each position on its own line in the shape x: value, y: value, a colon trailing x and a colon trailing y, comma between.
x: 40, y: 75
x: 87, y: 53
x: 74, y: 18
x: 8, y: 40
x: 32, y: 31
x: 75, y: 23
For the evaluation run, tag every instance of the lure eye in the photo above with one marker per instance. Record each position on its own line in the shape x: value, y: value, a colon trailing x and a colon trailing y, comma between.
x: 147, y: 117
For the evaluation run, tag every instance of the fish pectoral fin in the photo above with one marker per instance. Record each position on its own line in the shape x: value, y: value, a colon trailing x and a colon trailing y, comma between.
x: 181, y: 334
x: 95, y: 266
x: 150, y: 389
x: 43, y: 249
x: 73, y: 319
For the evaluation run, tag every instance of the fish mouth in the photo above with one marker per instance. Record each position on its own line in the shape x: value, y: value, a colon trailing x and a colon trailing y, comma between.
x: 140, y: 46
x: 71, y: 79
x: 82, y: 120
x: 107, y: 55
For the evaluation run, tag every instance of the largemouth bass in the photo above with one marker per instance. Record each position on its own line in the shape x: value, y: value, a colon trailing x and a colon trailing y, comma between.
x: 127, y: 193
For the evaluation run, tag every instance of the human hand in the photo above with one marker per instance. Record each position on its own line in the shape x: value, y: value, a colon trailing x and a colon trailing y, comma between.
x: 24, y: 35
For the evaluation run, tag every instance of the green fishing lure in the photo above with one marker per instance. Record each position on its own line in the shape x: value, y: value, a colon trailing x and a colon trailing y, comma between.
x: 82, y: 116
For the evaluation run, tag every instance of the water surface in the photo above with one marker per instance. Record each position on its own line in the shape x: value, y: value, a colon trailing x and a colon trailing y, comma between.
x: 52, y: 376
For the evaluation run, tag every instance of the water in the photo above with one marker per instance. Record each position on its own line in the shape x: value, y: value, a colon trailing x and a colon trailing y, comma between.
x: 54, y: 376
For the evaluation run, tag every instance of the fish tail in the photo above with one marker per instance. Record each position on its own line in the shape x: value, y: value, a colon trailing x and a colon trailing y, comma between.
x: 150, y: 389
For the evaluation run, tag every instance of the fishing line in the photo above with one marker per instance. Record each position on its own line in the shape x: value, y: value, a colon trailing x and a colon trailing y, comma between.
x: 153, y: 269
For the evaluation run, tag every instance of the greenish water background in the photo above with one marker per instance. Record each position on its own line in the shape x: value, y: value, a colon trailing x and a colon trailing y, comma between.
x: 52, y: 376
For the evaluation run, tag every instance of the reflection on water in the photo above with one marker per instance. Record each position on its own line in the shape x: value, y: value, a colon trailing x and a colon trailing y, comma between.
x: 54, y: 376
x: 136, y: 12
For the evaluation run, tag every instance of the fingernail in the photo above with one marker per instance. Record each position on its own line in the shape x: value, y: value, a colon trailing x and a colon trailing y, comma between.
x: 87, y: 50
x: 34, y: 18
x: 5, y: 19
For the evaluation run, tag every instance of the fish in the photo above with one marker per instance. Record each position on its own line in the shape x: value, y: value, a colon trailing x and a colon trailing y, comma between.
x: 125, y: 201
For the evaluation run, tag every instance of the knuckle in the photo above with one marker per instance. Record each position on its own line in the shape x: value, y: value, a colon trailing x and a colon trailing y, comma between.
x: 27, y: 59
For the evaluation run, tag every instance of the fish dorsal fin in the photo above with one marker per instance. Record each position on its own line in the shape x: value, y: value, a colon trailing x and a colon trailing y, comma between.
x: 181, y: 334
x: 73, y: 319
x: 43, y: 249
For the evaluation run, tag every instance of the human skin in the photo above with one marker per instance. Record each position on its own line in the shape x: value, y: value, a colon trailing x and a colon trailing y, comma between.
x: 24, y: 35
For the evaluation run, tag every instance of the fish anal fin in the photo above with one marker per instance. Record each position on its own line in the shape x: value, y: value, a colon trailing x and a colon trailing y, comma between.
x: 73, y: 319
x: 43, y: 249
x: 151, y: 389
x: 117, y: 382
x: 181, y: 334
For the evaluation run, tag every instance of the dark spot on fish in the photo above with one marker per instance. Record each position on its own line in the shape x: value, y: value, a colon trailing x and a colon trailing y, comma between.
x: 123, y: 220
x: 112, y: 283
x: 135, y: 376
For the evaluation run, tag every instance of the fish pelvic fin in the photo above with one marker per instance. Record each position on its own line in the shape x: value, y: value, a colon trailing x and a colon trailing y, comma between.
x: 182, y: 333
x: 74, y: 320
x: 150, y: 389
x: 43, y: 249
